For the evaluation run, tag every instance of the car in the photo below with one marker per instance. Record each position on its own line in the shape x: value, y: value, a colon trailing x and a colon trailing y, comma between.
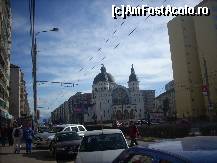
x: 65, y: 143
x: 190, y: 149
x: 101, y: 146
x: 42, y: 129
x: 41, y: 140
x: 45, y: 139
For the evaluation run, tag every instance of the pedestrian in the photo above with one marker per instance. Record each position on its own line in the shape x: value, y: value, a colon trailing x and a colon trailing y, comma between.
x: 17, y: 135
x: 10, y: 137
x: 28, y: 139
x: 133, y: 133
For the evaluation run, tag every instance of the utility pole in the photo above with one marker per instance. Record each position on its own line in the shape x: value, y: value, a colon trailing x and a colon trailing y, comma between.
x: 34, y: 71
x: 34, y: 81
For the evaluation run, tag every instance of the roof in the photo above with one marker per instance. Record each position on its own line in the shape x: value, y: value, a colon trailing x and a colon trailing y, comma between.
x: 103, y: 131
x: 103, y: 76
x: 192, y: 148
x: 133, y: 76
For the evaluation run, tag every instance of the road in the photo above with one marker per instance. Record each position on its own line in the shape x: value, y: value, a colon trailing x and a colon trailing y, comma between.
x: 44, y: 156
x: 37, y: 156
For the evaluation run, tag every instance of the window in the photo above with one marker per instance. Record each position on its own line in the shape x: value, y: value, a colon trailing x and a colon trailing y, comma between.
x: 102, y: 142
x: 141, y: 158
x: 81, y: 128
x: 74, y: 129
x: 67, y: 129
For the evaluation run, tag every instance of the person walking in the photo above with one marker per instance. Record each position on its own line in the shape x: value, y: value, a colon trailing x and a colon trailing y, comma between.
x: 17, y: 135
x: 28, y: 139
x: 133, y: 133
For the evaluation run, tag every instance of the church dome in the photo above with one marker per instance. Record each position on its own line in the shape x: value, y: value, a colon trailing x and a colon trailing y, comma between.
x: 103, y: 76
x: 133, y: 76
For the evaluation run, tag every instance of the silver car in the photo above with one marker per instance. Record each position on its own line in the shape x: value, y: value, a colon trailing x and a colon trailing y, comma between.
x: 101, y: 146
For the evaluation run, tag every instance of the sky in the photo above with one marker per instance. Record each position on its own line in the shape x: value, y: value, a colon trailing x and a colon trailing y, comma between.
x: 84, y: 26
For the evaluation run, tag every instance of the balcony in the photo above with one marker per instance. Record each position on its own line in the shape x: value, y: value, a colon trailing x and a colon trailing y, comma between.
x: 3, y: 72
x: 4, y: 51
x: 2, y: 103
x: 3, y: 84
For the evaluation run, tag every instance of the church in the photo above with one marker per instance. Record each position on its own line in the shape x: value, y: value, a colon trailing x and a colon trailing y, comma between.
x: 116, y: 102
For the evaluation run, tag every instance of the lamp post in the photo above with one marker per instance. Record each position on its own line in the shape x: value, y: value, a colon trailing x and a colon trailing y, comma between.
x: 34, y: 71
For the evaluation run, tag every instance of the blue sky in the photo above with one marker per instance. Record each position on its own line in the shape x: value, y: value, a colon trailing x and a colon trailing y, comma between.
x: 84, y: 26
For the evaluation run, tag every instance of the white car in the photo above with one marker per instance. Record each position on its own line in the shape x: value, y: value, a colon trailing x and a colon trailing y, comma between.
x: 101, y: 146
x: 80, y: 129
x: 45, y: 139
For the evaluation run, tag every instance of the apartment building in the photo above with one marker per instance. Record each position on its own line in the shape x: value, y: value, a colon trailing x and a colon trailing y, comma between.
x: 5, y: 46
x: 19, y: 106
x: 165, y: 103
x: 193, y: 49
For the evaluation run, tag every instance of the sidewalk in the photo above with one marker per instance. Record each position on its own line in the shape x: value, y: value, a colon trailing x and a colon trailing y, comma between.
x: 7, y: 155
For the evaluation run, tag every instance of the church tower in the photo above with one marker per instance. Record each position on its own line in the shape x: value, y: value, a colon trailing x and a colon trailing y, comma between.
x: 133, y: 82
x: 101, y: 92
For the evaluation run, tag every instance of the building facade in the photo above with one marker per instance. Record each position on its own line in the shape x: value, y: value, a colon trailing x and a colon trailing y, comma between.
x: 115, y: 102
x: 5, y: 46
x: 73, y: 110
x: 165, y: 103
x: 19, y: 106
x: 107, y: 102
x: 193, y: 49
x: 149, y: 101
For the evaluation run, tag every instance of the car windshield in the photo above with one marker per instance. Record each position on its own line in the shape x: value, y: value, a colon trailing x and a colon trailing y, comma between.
x: 56, y: 129
x: 67, y: 136
x: 103, y: 142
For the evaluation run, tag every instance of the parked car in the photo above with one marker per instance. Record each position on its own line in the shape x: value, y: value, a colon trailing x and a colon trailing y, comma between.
x: 65, y: 143
x: 185, y: 150
x: 101, y: 146
x: 45, y: 139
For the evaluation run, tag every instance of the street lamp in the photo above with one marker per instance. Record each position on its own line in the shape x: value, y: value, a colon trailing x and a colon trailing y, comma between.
x: 34, y: 73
